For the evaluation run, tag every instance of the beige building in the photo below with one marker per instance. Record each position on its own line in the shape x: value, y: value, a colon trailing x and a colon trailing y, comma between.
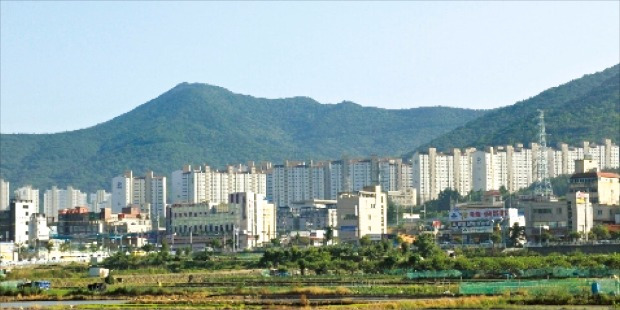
x: 540, y: 216
x: 580, y: 212
x: 363, y: 213
x: 603, y: 187
x: 247, y: 218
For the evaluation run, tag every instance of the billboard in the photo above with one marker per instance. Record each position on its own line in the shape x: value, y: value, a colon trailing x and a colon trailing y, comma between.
x: 477, y: 214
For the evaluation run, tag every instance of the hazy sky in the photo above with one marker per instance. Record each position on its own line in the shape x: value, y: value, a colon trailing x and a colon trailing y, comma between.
x: 70, y: 65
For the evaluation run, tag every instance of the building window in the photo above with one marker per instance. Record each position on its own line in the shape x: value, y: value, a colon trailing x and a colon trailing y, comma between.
x: 599, y: 212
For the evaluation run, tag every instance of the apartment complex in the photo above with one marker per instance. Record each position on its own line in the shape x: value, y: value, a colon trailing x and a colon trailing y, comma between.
x: 99, y: 200
x: 55, y: 199
x: 296, y: 181
x: 129, y: 190
x: 511, y: 167
x: 204, y: 184
x: 433, y: 172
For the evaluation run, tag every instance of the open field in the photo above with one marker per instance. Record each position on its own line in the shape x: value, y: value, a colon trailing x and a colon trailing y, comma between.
x: 248, y: 289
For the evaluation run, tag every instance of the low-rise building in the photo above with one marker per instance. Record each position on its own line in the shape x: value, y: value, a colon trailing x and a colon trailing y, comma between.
x: 79, y: 221
x: 476, y: 222
x: 247, y: 218
x: 307, y: 216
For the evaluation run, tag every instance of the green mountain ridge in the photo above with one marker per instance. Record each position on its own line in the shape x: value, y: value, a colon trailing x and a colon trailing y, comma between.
x: 587, y: 109
x: 199, y: 123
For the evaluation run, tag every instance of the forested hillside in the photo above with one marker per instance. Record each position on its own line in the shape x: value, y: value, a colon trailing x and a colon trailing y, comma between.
x: 198, y: 123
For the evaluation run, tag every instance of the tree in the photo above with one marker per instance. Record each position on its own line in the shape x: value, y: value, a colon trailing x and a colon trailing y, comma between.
x: 49, y: 246
x: 496, y: 237
x: 445, y: 200
x: 601, y: 232
x: 426, y: 245
x: 517, y: 233
x: 216, y: 244
x: 66, y: 246
x: 365, y: 241
x: 275, y: 242
x: 148, y: 248
x: 329, y: 235
x: 575, y: 235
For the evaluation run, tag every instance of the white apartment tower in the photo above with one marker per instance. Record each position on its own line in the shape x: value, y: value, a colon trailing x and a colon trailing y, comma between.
x: 99, y: 200
x: 434, y: 172
x: 55, y: 199
x: 28, y: 193
x: 148, y: 190
x: 4, y: 195
x: 204, y: 184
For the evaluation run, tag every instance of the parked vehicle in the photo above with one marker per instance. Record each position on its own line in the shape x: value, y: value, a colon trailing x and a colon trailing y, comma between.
x: 40, y: 284
x: 97, y: 287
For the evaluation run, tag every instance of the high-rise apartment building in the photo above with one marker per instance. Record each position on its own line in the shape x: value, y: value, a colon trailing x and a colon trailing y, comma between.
x: 99, y: 200
x: 204, y: 184
x: 28, y: 193
x: 55, y: 199
x: 4, y: 195
x: 148, y: 190
x: 296, y: 181
x: 433, y: 172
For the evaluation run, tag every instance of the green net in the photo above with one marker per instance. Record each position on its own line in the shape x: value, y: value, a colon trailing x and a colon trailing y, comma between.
x: 434, y: 274
x: 575, y: 286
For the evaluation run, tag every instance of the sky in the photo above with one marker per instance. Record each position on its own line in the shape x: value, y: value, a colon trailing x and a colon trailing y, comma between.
x: 71, y: 65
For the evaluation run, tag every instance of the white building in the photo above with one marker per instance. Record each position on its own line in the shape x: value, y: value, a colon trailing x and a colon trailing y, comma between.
x: 150, y: 189
x: 257, y: 222
x: 21, y: 210
x: 363, y: 213
x: 204, y: 184
x: 28, y: 193
x: 581, y: 215
x: 4, y: 195
x: 433, y: 172
x: 247, y: 218
x: 100, y: 200
x: 55, y: 199
x: 37, y: 229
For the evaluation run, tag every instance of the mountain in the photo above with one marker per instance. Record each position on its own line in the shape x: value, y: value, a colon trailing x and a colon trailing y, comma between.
x: 585, y: 109
x: 198, y: 123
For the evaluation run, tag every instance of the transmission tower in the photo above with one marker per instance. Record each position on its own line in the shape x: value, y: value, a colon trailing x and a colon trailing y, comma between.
x: 543, y: 186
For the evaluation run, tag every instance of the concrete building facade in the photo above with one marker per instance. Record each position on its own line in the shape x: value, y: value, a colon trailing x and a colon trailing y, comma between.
x: 363, y: 213
x: 4, y: 195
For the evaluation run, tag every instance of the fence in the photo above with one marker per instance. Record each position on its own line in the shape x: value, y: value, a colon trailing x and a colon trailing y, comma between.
x: 573, y: 286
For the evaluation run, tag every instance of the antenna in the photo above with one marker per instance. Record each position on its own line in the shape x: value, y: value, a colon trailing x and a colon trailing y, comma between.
x: 543, y: 186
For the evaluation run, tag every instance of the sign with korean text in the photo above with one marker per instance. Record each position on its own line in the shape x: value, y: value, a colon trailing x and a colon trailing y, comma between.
x: 477, y: 214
